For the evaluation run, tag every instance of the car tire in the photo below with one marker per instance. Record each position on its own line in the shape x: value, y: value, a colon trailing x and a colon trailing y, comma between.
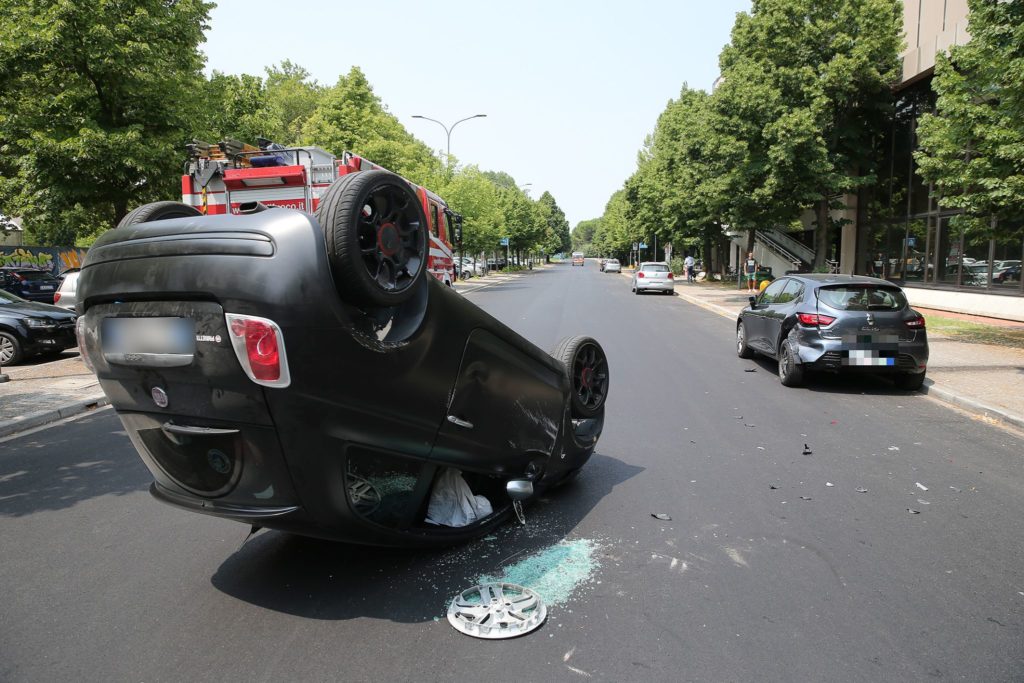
x: 790, y: 372
x: 377, y: 239
x: 158, y: 211
x: 10, y: 349
x: 742, y: 350
x: 911, y: 381
x: 587, y: 366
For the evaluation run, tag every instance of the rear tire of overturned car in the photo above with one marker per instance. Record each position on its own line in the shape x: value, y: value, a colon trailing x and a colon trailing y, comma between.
x: 587, y: 365
x: 158, y: 211
x: 377, y: 239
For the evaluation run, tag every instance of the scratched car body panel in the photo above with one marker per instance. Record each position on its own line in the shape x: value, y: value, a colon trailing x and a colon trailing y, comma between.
x: 378, y: 400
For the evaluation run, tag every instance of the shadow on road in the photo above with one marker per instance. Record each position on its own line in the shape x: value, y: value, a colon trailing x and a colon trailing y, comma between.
x: 60, y: 467
x: 836, y: 383
x: 335, y: 581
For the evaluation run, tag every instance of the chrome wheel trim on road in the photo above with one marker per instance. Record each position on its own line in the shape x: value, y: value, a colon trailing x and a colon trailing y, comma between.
x: 497, y: 610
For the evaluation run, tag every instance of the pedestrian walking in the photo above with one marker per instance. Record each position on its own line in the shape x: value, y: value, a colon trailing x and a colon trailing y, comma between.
x: 750, y: 268
x: 688, y: 262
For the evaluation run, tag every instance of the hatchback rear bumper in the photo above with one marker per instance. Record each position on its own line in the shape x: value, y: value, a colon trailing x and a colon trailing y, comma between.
x: 655, y: 286
x: 836, y: 355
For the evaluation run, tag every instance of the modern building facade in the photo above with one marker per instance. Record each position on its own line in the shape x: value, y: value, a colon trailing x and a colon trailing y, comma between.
x: 908, y: 237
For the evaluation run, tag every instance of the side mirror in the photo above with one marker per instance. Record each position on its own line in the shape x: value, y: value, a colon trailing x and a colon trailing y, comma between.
x: 753, y: 301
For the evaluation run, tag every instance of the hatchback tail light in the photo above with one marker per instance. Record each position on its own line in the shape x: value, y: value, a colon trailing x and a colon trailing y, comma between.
x: 671, y: 276
x: 56, y: 297
x: 640, y: 273
x: 815, y: 319
x: 916, y: 323
x: 259, y: 345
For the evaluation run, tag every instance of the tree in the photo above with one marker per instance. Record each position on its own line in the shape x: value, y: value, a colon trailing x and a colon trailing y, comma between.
x: 972, y: 147
x: 351, y: 117
x: 556, y: 238
x: 94, y: 101
x: 807, y: 83
x: 583, y: 234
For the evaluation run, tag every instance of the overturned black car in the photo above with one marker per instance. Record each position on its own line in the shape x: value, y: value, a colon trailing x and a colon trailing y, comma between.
x: 303, y: 373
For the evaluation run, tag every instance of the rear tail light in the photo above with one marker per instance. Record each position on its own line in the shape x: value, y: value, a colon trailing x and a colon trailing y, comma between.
x: 19, y: 277
x: 916, y: 323
x: 815, y: 319
x: 83, y: 343
x: 259, y: 345
x: 640, y: 274
x: 56, y: 297
x: 671, y: 276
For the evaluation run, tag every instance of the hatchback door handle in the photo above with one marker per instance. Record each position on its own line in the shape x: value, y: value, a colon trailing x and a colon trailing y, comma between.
x: 461, y: 423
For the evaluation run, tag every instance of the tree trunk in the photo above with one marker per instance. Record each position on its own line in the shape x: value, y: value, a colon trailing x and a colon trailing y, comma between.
x: 821, y: 232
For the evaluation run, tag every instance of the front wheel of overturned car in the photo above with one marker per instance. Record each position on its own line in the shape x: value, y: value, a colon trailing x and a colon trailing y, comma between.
x: 587, y: 365
x: 790, y: 372
x: 158, y: 211
x: 377, y: 239
x: 910, y: 381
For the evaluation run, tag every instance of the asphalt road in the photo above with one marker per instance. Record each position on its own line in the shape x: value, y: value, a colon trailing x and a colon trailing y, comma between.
x: 774, y: 566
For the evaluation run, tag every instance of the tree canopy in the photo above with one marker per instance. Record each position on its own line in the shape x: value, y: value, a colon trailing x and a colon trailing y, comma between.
x: 972, y: 146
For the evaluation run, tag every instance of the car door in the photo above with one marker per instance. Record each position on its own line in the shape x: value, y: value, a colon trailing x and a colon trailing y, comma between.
x: 756, y: 318
x: 781, y: 308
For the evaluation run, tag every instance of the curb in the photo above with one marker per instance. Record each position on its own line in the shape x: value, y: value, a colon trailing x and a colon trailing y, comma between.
x: 930, y: 388
x: 970, y: 405
x: 42, y: 417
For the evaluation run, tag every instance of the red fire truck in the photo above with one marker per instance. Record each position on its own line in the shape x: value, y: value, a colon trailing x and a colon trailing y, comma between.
x: 231, y: 174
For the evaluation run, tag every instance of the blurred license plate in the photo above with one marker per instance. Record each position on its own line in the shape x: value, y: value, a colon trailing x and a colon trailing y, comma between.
x: 881, y: 357
x: 45, y: 288
x: 148, y: 341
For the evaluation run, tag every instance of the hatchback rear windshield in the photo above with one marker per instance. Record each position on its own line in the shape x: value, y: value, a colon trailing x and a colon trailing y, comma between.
x: 613, y: 260
x: 862, y: 298
x: 655, y: 268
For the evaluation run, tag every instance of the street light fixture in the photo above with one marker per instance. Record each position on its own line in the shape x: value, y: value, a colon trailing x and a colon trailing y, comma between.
x: 448, y: 130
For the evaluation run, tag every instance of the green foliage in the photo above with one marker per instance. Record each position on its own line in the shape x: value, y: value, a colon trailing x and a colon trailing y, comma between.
x: 556, y: 237
x: 972, y: 147
x: 94, y: 99
x: 351, y: 117
x: 797, y: 120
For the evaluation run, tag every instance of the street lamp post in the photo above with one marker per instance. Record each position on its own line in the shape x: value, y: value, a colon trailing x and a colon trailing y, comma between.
x: 448, y: 131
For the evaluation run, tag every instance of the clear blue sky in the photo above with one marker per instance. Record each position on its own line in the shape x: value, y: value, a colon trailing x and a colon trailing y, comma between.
x: 570, y: 88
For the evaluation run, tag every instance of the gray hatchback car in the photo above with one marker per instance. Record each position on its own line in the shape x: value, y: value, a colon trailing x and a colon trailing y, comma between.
x: 835, y: 323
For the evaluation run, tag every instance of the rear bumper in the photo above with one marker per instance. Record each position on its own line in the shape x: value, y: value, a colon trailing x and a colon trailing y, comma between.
x: 835, y: 355
x: 655, y: 286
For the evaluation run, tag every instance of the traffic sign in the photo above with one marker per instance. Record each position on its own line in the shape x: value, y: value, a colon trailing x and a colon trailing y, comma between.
x: 504, y: 241
x: 643, y: 245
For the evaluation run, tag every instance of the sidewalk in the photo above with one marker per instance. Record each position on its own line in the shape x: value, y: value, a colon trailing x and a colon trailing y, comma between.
x: 975, y: 363
x: 41, y: 391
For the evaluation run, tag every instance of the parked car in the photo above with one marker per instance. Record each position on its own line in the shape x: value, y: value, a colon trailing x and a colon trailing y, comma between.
x: 654, y: 276
x: 1008, y: 274
x: 472, y: 268
x: 65, y: 295
x: 835, y: 323
x: 612, y: 266
x: 31, y: 284
x: 29, y: 328
x: 280, y: 379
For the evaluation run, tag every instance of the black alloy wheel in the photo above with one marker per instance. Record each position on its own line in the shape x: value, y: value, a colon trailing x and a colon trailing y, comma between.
x: 587, y: 365
x: 158, y: 211
x: 377, y: 239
